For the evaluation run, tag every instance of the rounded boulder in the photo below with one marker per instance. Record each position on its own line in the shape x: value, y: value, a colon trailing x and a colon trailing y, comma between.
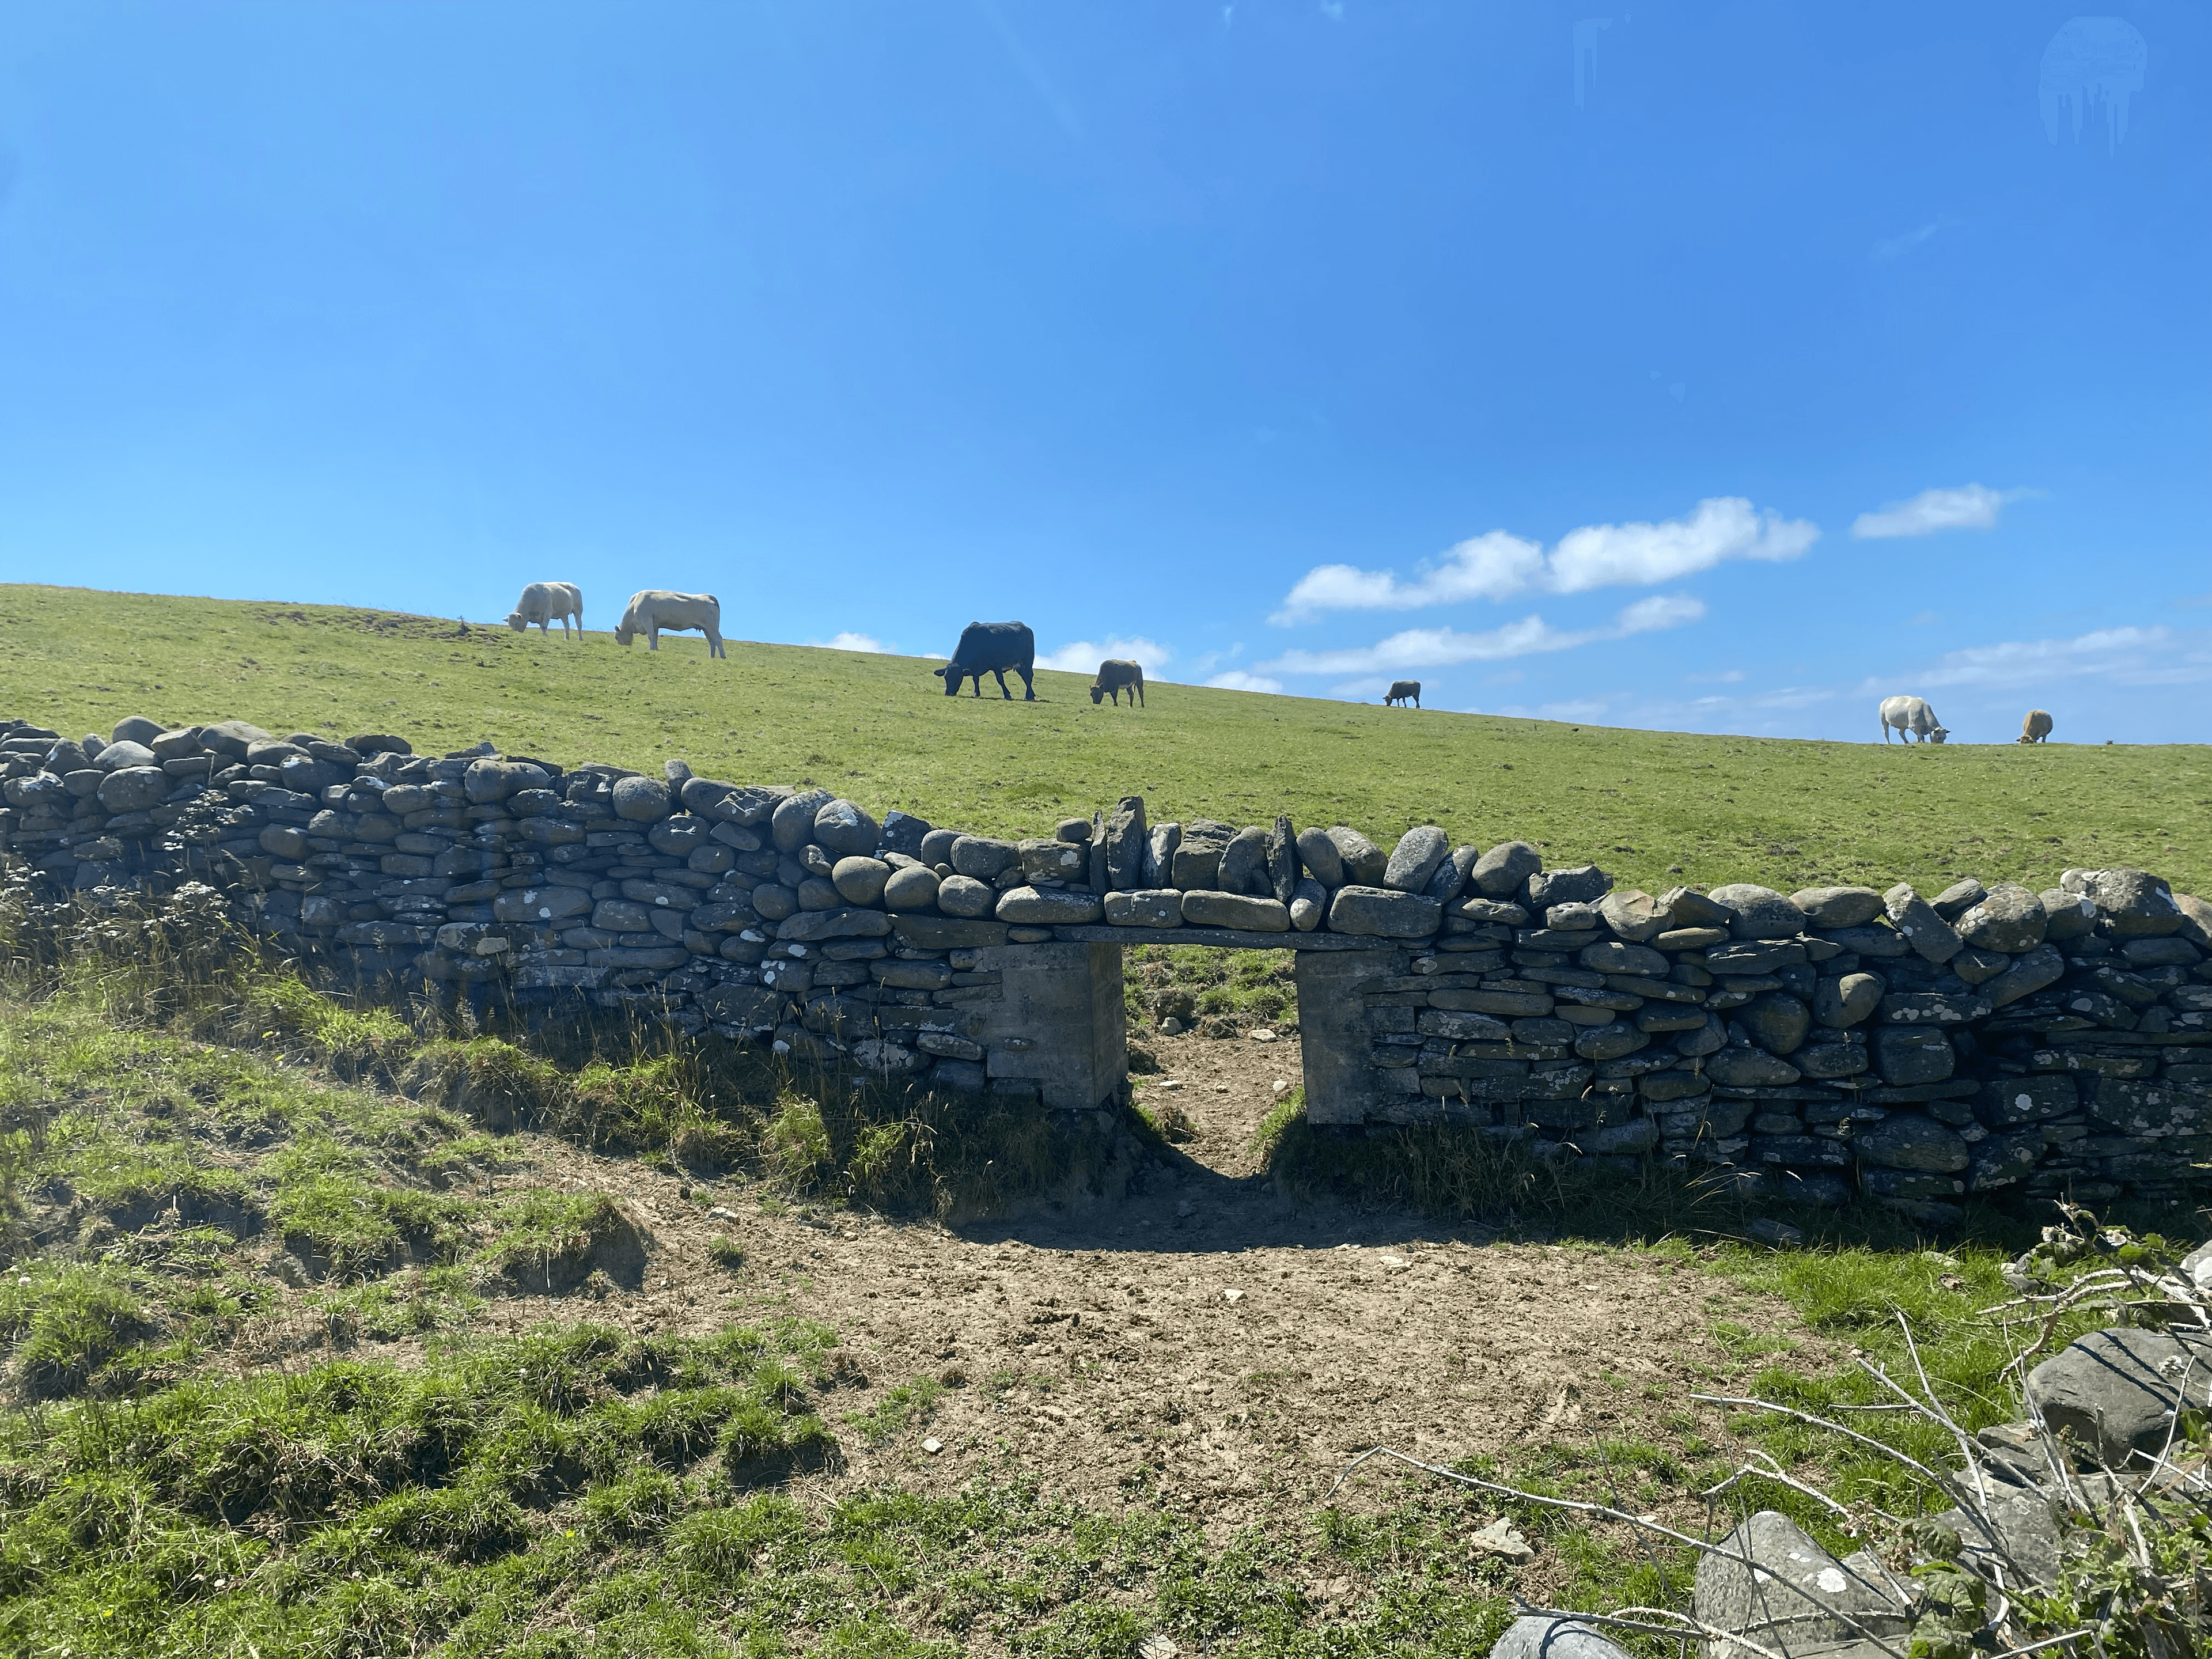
x: 679, y: 837
x: 1777, y: 1022
x: 641, y: 800
x: 1504, y: 870
x: 1756, y: 912
x: 860, y: 880
x: 1415, y: 858
x: 274, y: 751
x: 913, y: 888
x: 964, y: 896
x: 1634, y: 915
x: 137, y: 728
x: 117, y: 756
x: 844, y: 828
x: 2067, y: 915
x: 1849, y: 1000
x: 1319, y: 855
x: 1837, y: 907
x: 491, y: 780
x: 790, y: 826
x: 134, y: 789
x: 773, y: 902
x: 2007, y: 918
x: 1364, y: 861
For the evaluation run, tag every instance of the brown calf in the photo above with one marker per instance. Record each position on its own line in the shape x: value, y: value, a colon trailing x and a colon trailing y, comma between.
x: 1114, y: 678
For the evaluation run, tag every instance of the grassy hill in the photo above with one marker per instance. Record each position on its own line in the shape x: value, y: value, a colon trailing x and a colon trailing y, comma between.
x: 1656, y: 808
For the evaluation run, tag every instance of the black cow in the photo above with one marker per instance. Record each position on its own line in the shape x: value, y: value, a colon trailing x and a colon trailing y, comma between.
x: 992, y: 648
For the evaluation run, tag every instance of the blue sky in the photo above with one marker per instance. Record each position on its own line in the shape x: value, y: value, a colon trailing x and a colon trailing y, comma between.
x: 1716, y: 367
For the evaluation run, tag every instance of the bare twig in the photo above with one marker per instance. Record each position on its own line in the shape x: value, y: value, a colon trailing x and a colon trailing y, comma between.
x: 1772, y: 1471
x: 1742, y: 1559
x: 1942, y: 1483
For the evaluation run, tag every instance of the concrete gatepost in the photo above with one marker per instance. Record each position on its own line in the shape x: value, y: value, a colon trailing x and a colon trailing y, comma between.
x: 1058, y: 1024
x: 1334, y: 1040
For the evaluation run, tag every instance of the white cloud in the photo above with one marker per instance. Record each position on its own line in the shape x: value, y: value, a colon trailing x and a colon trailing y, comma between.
x: 1238, y: 680
x: 1497, y: 564
x: 1084, y: 656
x: 1658, y: 613
x: 1441, y: 647
x: 1732, y: 677
x: 1489, y: 566
x: 2126, y: 656
x: 1971, y: 507
x: 1890, y: 247
x: 851, y: 641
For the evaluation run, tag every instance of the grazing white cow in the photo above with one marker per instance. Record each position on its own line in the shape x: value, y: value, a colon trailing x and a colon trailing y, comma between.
x: 2035, y: 728
x: 656, y: 609
x: 543, y: 601
x: 1912, y: 717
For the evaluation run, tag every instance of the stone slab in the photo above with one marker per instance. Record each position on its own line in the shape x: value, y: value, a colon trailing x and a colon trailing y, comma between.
x: 1228, y: 939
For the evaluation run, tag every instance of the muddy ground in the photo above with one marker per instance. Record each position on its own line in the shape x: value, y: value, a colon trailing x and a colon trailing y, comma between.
x: 1206, y: 1342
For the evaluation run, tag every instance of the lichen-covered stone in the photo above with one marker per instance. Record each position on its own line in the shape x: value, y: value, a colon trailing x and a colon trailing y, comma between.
x: 1757, y: 913
x: 1383, y: 912
x: 1923, y: 929
x: 2007, y: 918
x: 1047, y: 907
x: 1837, y: 907
x: 1242, y: 910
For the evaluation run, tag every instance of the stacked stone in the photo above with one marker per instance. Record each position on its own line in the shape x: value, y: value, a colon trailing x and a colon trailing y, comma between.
x: 1817, y: 1044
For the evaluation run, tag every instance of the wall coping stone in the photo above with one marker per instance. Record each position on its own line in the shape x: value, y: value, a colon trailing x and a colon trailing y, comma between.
x: 1229, y: 939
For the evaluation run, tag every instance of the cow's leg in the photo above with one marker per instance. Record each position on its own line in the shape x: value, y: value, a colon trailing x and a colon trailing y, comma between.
x: 976, y: 680
x: 999, y: 674
x: 1140, y: 692
x: 1028, y: 686
x: 652, y: 639
x: 715, y: 643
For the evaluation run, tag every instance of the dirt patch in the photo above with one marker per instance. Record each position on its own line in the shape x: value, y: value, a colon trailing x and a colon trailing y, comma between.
x: 1226, y: 1086
x: 1205, y: 1343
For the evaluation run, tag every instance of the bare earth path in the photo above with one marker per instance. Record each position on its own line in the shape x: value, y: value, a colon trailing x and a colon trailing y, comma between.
x: 1205, y: 1343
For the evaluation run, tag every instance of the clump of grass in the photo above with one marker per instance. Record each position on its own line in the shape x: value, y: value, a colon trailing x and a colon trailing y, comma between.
x: 415, y: 1302
x: 330, y: 1206
x: 906, y: 1407
x: 352, y: 1040
x: 547, y: 1240
x: 68, y: 1322
x: 488, y: 1080
x: 726, y: 1252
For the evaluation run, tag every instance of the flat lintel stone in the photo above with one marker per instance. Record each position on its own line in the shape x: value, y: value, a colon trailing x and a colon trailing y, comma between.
x: 1229, y: 939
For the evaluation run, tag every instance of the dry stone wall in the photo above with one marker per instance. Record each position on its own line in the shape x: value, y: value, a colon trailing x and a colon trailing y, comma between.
x: 1819, y: 1043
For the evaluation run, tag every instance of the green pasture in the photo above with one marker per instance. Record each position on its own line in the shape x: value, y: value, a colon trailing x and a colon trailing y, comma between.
x: 1654, y: 807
